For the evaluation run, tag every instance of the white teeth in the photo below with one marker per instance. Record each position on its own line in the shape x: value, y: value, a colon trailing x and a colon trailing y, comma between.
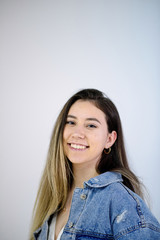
x: 77, y: 146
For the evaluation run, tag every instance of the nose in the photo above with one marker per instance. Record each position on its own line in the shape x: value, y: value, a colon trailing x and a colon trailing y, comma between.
x: 78, y: 133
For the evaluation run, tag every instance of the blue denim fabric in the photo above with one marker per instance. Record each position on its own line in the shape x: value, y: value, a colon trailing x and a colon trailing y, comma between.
x: 106, y: 209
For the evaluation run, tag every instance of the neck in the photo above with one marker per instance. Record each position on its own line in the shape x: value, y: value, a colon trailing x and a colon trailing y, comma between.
x: 81, y: 174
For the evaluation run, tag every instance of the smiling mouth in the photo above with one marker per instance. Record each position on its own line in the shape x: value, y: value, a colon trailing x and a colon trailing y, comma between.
x: 78, y: 146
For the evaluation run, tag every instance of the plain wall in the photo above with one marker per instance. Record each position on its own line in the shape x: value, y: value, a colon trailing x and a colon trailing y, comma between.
x: 48, y: 51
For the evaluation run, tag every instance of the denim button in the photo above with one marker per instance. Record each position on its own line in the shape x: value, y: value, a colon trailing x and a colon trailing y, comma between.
x: 70, y: 225
x: 83, y: 196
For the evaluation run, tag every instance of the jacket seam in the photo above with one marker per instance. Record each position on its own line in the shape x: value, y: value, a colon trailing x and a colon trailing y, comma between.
x: 135, y: 228
x: 96, y: 185
x: 138, y: 206
x: 87, y: 233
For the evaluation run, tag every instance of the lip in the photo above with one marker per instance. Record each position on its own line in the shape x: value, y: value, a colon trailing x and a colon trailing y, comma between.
x: 78, y: 146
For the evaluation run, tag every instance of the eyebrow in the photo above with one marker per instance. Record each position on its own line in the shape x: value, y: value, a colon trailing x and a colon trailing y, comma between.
x: 87, y: 119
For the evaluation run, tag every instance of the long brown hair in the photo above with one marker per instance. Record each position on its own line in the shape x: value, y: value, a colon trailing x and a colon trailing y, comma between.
x: 57, y: 177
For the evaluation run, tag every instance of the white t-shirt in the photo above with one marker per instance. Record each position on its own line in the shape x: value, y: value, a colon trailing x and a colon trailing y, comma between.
x: 52, y: 229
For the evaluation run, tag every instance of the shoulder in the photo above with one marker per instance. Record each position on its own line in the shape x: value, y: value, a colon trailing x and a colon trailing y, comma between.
x: 122, y: 199
x: 129, y: 214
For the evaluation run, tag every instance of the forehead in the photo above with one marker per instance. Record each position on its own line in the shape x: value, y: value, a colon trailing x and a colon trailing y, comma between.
x: 85, y: 109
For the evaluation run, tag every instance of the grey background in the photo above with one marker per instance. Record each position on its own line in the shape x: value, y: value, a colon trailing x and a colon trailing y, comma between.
x: 48, y: 51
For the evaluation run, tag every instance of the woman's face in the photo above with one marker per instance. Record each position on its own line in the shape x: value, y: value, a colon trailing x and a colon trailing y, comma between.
x: 86, y: 134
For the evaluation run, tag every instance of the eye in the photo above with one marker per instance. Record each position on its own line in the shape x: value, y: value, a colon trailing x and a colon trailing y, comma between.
x: 91, y: 126
x: 70, y: 122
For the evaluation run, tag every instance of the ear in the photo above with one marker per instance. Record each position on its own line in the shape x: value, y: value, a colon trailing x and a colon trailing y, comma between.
x: 111, y: 138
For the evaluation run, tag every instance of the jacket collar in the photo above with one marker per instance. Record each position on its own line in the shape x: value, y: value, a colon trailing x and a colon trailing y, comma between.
x: 104, y: 180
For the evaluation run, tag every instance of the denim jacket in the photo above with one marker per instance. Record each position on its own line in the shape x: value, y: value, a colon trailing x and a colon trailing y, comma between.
x: 106, y: 209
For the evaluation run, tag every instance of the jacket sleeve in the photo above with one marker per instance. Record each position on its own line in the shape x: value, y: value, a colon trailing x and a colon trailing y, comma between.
x: 131, y: 218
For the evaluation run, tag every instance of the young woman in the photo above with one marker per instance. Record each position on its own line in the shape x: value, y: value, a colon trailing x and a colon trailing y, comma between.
x: 87, y: 191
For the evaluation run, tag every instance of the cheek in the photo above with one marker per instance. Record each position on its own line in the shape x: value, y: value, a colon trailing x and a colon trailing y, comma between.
x: 101, y: 139
x: 65, y: 133
x: 64, y: 145
x: 100, y: 136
